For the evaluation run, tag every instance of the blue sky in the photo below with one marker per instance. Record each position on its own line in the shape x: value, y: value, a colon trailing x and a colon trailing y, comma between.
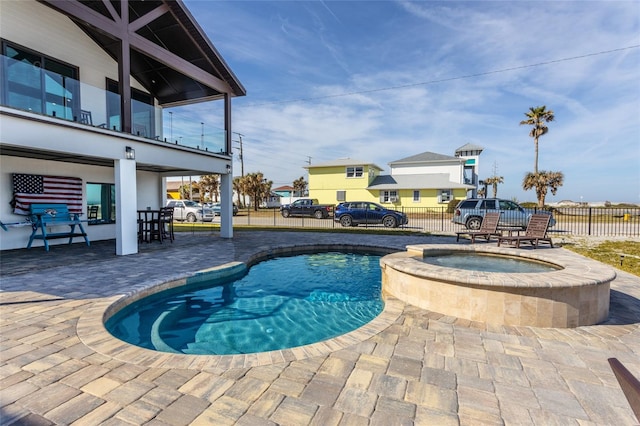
x: 378, y: 81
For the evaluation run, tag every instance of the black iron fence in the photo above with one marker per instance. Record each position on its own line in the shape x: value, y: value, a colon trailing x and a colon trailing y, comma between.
x: 600, y: 221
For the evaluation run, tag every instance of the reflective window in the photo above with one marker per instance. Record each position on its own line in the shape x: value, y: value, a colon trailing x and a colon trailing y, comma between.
x: 101, y: 203
x: 34, y: 82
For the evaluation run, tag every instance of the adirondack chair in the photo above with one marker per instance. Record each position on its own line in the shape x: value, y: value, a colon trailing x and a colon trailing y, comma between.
x: 44, y: 216
x: 535, y: 233
x: 487, y: 229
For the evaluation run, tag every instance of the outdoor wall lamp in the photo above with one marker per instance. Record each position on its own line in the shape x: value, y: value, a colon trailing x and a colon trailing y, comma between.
x: 228, y: 168
x: 130, y: 153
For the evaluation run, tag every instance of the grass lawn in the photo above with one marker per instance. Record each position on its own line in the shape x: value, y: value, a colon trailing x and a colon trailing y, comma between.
x: 611, y: 253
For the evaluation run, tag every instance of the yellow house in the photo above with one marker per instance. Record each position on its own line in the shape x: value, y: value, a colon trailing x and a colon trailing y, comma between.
x: 423, y: 180
x: 341, y: 180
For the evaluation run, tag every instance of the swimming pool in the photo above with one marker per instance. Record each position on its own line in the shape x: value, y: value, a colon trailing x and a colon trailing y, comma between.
x: 279, y: 303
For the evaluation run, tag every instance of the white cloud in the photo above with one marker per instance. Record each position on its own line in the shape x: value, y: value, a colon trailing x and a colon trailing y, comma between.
x: 317, y: 50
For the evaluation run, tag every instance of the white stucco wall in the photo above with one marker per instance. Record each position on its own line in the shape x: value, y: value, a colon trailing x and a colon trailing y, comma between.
x: 455, y: 171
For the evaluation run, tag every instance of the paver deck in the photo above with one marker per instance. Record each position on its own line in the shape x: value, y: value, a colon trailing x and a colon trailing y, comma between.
x: 422, y: 368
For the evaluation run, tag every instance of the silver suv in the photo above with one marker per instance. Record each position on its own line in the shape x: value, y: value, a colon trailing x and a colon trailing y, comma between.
x: 470, y: 213
x: 190, y: 211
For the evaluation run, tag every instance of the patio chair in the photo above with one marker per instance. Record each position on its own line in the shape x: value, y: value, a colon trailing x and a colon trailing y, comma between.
x: 488, y: 228
x: 535, y: 233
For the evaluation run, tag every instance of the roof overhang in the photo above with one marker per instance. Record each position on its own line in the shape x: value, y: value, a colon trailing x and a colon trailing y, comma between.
x: 170, y: 55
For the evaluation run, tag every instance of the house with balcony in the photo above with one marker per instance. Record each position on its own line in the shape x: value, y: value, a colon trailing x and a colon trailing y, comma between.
x: 104, y: 94
x: 423, y: 180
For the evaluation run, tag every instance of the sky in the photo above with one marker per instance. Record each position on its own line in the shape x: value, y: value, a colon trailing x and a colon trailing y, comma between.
x: 378, y: 81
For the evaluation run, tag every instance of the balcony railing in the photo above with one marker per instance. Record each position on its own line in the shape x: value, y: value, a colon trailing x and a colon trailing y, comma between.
x: 29, y: 88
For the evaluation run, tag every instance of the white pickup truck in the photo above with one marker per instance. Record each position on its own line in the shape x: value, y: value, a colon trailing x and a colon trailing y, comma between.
x: 190, y: 211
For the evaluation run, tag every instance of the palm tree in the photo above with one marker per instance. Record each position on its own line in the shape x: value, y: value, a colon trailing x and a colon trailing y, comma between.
x: 494, y: 181
x: 257, y: 187
x: 209, y: 184
x: 542, y: 182
x: 536, y: 117
x: 239, y: 189
x: 300, y: 186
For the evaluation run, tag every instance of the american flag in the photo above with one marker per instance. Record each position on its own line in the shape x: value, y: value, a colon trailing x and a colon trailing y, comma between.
x: 29, y: 189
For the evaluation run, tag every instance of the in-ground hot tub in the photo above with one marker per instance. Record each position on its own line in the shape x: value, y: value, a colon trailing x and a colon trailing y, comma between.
x: 573, y: 292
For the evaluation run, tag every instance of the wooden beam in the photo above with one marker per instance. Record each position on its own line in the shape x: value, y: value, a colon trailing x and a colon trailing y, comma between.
x: 148, y: 17
x: 77, y: 10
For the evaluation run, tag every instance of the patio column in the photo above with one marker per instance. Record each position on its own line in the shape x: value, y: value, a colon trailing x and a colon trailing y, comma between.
x: 226, y: 205
x: 126, y: 207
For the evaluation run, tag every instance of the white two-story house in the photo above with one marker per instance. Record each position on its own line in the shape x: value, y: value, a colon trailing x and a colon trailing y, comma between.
x: 103, y: 92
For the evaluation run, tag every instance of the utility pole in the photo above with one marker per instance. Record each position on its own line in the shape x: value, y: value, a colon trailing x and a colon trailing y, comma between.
x: 240, y: 157
x: 240, y: 135
x: 309, y: 160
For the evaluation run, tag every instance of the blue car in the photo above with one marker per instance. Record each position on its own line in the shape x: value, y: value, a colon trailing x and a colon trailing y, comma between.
x: 353, y: 213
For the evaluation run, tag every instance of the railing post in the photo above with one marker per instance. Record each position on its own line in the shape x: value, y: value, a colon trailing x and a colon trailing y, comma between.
x: 589, y: 222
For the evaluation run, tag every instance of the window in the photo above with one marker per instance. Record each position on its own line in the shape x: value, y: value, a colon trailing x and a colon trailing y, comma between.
x: 341, y: 195
x: 488, y: 205
x: 37, y: 83
x: 416, y: 196
x: 355, y: 171
x: 508, y: 205
x: 388, y: 196
x: 142, y: 110
x: 444, y: 196
x: 102, y: 195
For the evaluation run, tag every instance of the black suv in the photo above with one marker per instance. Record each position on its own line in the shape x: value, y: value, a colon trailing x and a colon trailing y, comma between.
x: 470, y: 212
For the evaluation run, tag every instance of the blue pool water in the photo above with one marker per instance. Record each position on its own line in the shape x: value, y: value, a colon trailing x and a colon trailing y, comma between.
x: 280, y: 303
x: 488, y: 263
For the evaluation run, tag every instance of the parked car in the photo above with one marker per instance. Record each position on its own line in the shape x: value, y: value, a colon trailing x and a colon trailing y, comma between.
x: 216, y: 208
x: 470, y: 213
x: 190, y: 211
x: 353, y: 213
x: 307, y: 207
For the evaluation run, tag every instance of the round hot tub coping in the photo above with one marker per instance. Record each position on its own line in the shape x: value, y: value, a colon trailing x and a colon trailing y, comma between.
x: 577, y: 294
x: 574, y: 270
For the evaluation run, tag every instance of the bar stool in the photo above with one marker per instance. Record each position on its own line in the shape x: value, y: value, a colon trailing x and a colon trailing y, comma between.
x: 166, y: 223
x: 155, y: 225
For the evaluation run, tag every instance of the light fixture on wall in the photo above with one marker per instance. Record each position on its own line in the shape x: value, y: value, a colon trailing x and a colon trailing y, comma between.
x: 228, y: 168
x: 130, y: 153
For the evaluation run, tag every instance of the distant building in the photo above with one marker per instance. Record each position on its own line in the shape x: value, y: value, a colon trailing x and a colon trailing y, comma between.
x: 423, y: 180
x: 471, y: 154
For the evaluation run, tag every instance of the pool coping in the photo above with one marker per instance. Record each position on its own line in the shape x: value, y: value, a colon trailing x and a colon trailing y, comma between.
x: 577, y: 271
x: 92, y: 331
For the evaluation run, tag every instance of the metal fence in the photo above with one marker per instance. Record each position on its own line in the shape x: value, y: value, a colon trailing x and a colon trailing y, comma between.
x: 597, y: 221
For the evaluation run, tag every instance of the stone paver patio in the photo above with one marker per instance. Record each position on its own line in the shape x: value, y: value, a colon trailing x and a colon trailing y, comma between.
x: 421, y: 368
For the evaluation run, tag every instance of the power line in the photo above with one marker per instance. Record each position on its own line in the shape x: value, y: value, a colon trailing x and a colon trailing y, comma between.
x: 462, y: 77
